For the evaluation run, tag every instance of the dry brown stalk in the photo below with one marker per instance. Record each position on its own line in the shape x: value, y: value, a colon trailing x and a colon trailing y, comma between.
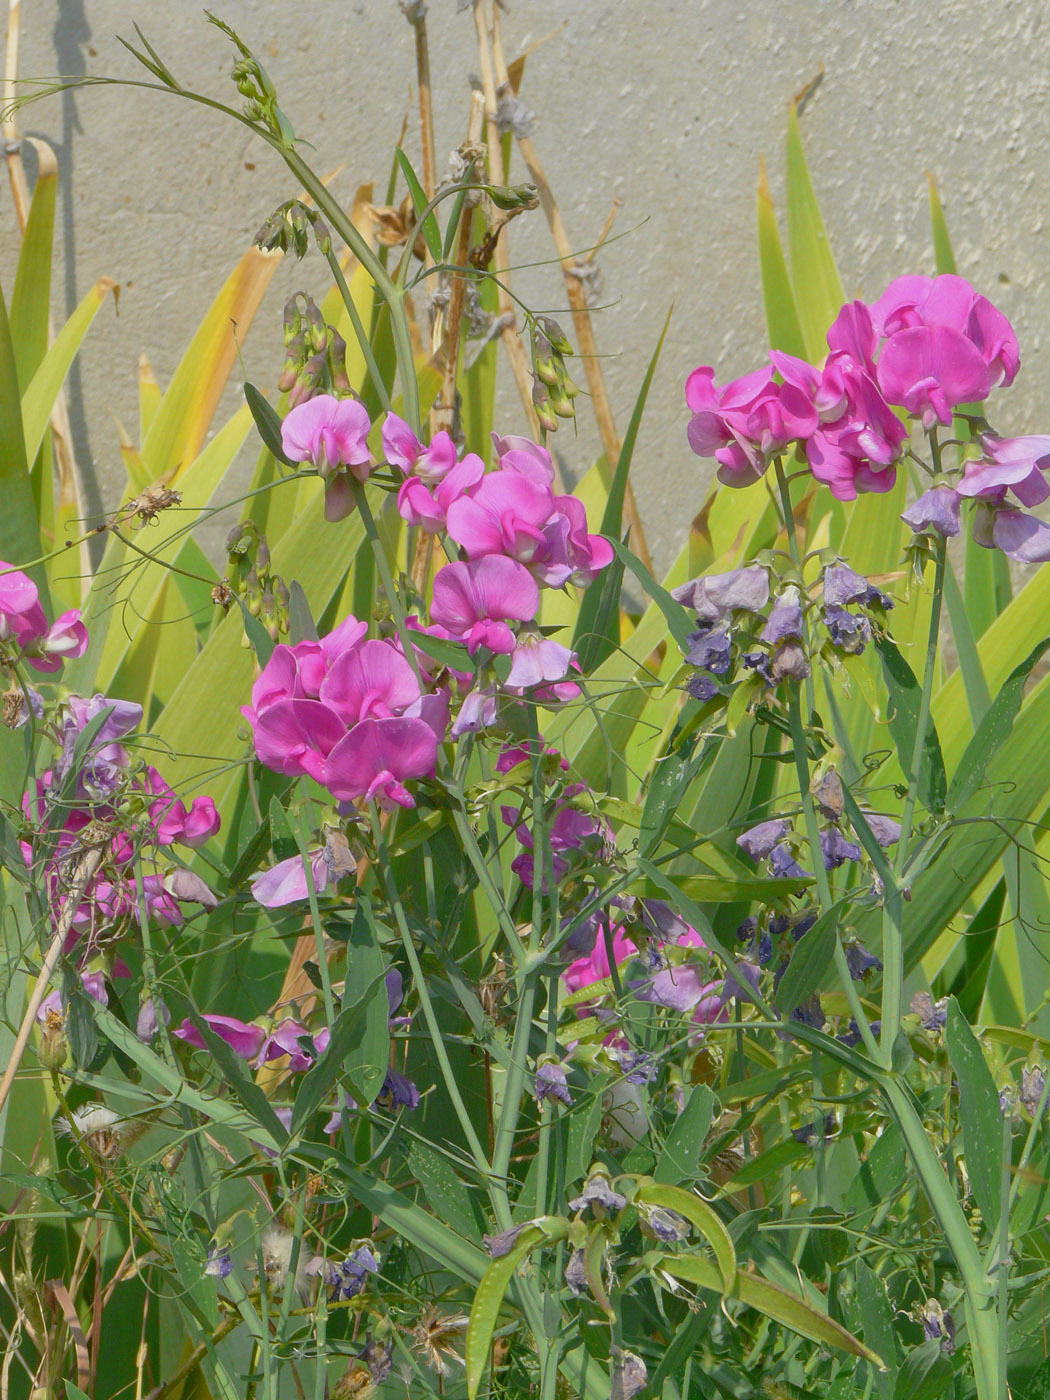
x: 581, y: 316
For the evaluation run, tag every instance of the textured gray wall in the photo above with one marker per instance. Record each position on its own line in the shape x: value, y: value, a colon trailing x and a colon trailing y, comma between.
x: 666, y: 106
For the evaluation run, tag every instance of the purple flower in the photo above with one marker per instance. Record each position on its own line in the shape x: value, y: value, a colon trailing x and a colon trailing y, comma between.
x: 397, y: 1092
x: 346, y: 1280
x: 244, y: 1038
x: 711, y: 650
x: 759, y: 841
x: 714, y: 597
x: 219, y: 1263
x: 1018, y: 464
x: 784, y: 865
x: 836, y: 849
x: 885, y: 830
x: 503, y: 1243
x: 661, y: 1224
x: 598, y: 1193
x: 701, y: 687
x: 551, y: 1083
x: 933, y: 1015
x: 478, y: 711
x: 785, y: 619
x: 537, y: 660
x: 936, y: 510
x: 332, y: 434
x: 850, y: 632
x: 152, y: 1015
x: 576, y: 1274
x: 1019, y: 536
x: 860, y: 962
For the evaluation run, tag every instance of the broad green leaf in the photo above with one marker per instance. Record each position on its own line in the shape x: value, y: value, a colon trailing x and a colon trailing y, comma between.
x: 267, y: 422
x: 818, y: 289
x: 782, y: 320
x: 979, y: 1115
x: 447, y: 1196
x: 903, y: 719
x: 1039, y: 1385
x: 680, y: 1156
x: 876, y: 1320
x: 488, y: 1297
x: 327, y: 1072
x: 675, y: 615
x: 992, y: 732
x: 986, y: 588
x: 149, y: 396
x: 925, y: 1375
x: 765, y: 1297
x: 42, y: 391
x: 811, y: 961
x: 596, y: 636
x: 943, y: 257
x: 366, y: 1062
x: 19, y: 532
x: 965, y: 639
x: 180, y: 426
x: 431, y: 232
x: 31, y: 295
x: 706, y: 1220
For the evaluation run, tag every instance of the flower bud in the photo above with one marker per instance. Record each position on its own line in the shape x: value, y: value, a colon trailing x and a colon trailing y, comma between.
x: 513, y: 196
x: 542, y: 405
x: 337, y: 364
x: 543, y: 359
x: 555, y: 335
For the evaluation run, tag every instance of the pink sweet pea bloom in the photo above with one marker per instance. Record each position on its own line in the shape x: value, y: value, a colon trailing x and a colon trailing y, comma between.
x: 377, y: 758
x: 929, y: 370
x: 296, y: 736
x: 425, y: 506
x: 332, y: 434
x: 474, y: 601
x: 747, y: 421
x: 536, y: 660
x: 21, y: 616
x: 505, y: 515
x: 521, y: 454
x: 243, y: 1038
x: 584, y: 972
x: 478, y: 711
x: 951, y: 302
x: 373, y: 681
x: 1017, y: 463
x: 285, y: 882
x: 66, y: 638
x: 286, y: 1039
x: 404, y: 450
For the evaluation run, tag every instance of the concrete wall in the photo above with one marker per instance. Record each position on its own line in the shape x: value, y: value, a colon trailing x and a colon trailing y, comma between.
x: 666, y: 106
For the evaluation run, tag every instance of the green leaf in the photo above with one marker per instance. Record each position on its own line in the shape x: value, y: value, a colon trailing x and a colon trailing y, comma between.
x: 979, y: 1114
x: 347, y: 1034
x: 876, y: 1320
x: 19, y: 532
x: 676, y: 616
x: 903, y: 719
x: 446, y: 1195
x: 42, y: 390
x: 993, y: 731
x: 680, y: 1155
x: 73, y: 1392
x: 818, y: 288
x: 811, y: 960
x: 262, y: 643
x: 431, y: 232
x: 782, y: 321
x: 671, y: 776
x: 786, y: 1308
x: 943, y: 257
x: 238, y: 1081
x: 597, y: 631
x: 925, y: 1375
x: 977, y: 696
x: 704, y: 1217
x: 301, y: 625
x: 365, y: 1064
x: 881, y: 1174
x: 268, y: 422
x: 488, y: 1297
x: 31, y: 296
x: 1039, y: 1385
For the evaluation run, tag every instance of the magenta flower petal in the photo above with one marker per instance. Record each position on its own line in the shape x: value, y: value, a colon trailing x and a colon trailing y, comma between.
x: 295, y: 736
x: 372, y: 681
x: 537, y: 659
x: 328, y: 432
x: 285, y: 883
x: 401, y: 447
x: 378, y: 757
x: 243, y: 1038
x: 929, y: 370
x: 475, y: 600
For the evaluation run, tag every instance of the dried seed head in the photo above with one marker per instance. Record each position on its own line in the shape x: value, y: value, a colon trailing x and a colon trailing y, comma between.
x: 435, y: 1336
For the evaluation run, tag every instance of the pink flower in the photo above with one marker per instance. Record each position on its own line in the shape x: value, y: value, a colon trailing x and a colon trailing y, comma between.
x: 244, y: 1038
x: 403, y: 449
x: 286, y: 1039
x: 521, y: 454
x: 478, y: 711
x: 474, y: 601
x: 743, y: 424
x: 537, y: 659
x: 66, y: 638
x: 21, y: 616
x: 285, y: 883
x: 425, y: 505
x: 373, y: 681
x: 332, y: 434
x: 929, y: 370
x: 1018, y: 463
x: 377, y: 758
x: 584, y: 972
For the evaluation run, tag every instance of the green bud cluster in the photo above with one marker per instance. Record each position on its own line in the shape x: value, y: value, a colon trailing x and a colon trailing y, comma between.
x: 315, y: 353
x: 251, y: 579
x: 508, y: 197
x: 553, y: 391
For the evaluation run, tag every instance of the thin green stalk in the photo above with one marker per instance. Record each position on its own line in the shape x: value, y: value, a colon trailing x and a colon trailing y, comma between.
x: 302, y: 836
x: 419, y: 981
x: 363, y: 338
x: 893, y: 934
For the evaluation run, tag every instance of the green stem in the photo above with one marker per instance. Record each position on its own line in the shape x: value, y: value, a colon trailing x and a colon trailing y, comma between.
x: 363, y: 338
